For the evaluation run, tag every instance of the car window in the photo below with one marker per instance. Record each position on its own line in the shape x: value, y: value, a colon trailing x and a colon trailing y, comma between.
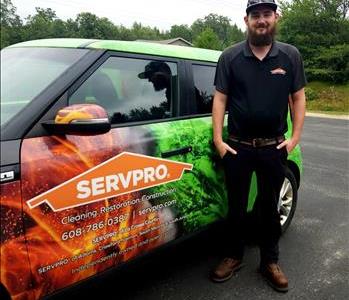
x: 131, y: 89
x: 26, y: 72
x: 204, y: 87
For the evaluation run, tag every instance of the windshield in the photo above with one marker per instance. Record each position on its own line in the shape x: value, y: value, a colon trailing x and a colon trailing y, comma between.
x: 26, y: 72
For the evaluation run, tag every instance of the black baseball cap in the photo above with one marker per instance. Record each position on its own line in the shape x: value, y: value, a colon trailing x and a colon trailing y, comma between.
x: 153, y: 67
x: 254, y: 3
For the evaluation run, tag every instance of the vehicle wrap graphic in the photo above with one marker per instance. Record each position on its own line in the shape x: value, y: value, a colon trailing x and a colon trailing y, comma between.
x: 122, y: 174
x: 14, y: 264
x: 207, y: 201
x: 55, y: 249
x: 68, y: 245
x: 80, y: 112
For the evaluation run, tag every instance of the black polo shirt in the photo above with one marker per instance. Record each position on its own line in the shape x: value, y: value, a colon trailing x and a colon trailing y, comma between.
x: 257, y: 90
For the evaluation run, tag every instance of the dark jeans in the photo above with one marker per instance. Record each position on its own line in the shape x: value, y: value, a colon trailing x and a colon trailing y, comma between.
x: 269, y: 164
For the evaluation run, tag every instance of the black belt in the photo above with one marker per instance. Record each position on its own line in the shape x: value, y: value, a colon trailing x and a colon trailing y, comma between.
x: 258, y: 142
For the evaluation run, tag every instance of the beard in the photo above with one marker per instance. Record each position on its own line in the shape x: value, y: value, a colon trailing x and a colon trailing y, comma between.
x: 158, y: 86
x: 260, y: 40
x: 159, y: 82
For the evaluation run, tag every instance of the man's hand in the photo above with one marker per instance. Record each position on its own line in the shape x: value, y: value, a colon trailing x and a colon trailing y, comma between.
x: 298, y: 104
x: 218, y: 111
x: 289, y: 144
x: 223, y: 148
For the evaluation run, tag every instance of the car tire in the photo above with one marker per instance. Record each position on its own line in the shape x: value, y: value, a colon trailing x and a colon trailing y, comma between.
x: 288, y: 200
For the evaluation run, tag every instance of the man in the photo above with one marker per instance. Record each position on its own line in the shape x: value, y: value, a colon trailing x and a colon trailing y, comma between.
x: 254, y: 80
x: 159, y: 74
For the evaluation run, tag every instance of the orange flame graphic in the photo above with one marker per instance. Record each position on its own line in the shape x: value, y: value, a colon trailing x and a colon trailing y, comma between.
x: 60, y: 248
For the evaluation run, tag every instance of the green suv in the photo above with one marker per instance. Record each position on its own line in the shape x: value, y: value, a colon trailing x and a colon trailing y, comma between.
x: 106, y: 154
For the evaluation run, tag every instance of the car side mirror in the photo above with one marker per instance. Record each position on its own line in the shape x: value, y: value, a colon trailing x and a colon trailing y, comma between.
x: 79, y: 119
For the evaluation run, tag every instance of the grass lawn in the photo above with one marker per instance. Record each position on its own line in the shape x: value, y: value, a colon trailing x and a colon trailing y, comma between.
x: 327, y: 97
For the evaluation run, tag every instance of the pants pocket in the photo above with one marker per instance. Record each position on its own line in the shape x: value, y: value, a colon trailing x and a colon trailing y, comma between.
x: 225, y: 155
x: 285, y: 153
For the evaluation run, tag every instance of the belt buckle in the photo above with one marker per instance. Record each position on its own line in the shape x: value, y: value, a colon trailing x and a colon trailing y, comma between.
x: 256, y: 142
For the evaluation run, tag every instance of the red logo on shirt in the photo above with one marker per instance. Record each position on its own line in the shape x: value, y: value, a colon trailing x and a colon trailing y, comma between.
x: 278, y: 71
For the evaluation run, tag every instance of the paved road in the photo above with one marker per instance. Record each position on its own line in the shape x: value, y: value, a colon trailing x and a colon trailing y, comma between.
x: 314, y: 250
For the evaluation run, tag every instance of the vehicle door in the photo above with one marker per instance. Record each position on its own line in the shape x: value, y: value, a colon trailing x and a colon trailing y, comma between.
x: 207, y: 162
x: 93, y: 201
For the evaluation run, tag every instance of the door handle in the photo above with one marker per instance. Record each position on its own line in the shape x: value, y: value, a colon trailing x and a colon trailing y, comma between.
x: 177, y: 152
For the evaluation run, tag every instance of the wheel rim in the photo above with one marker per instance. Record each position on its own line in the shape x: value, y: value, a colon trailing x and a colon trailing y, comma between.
x: 285, y: 201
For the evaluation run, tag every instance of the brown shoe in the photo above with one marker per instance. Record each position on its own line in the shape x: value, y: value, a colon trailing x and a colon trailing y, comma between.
x: 275, y: 277
x: 225, y: 269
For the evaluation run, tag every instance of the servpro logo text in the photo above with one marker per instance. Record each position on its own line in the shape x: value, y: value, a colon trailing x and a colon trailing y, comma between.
x: 115, y: 182
x: 124, y: 173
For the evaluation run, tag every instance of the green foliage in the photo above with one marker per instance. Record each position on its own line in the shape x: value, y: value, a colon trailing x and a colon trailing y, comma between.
x: 208, y: 39
x: 334, y: 57
x: 213, y: 31
x: 11, y: 24
x: 44, y: 24
x: 328, y: 97
x: 182, y: 31
x: 311, y: 94
x: 200, y: 194
x: 330, y: 64
x: 146, y: 33
x: 227, y: 34
x: 320, y: 30
x: 8, y: 14
x: 308, y: 23
x: 326, y: 75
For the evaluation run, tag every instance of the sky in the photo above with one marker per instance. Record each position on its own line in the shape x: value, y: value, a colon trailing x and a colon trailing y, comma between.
x: 154, y: 13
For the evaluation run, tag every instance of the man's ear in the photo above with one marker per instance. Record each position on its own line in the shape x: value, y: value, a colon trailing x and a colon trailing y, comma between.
x: 246, y: 19
x: 277, y: 16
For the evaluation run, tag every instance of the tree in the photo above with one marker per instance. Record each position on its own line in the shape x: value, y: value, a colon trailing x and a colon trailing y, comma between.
x: 87, y: 25
x: 182, y: 31
x: 125, y: 34
x: 107, y: 29
x: 227, y: 34
x: 306, y: 23
x: 344, y: 8
x: 318, y: 28
x: 44, y: 24
x: 72, y: 28
x: 208, y: 39
x: 145, y: 32
x: 331, y: 64
x: 339, y: 7
x: 8, y: 14
x: 10, y: 24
